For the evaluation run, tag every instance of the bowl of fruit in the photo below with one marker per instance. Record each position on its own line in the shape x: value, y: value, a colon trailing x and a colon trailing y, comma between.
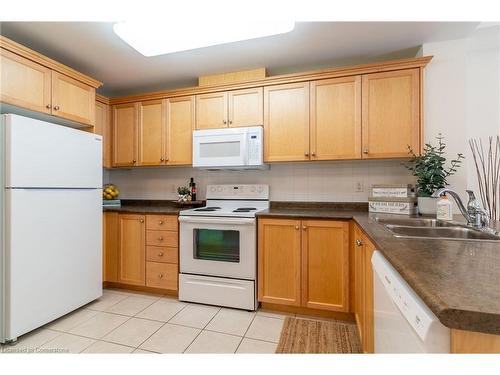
x: 110, y: 192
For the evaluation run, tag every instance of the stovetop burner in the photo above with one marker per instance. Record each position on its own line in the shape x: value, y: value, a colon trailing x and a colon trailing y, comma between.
x: 205, y: 209
x: 245, y: 209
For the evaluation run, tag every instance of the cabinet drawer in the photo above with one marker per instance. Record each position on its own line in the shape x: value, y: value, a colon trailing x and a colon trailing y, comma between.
x: 161, y: 222
x: 162, y: 254
x: 161, y: 238
x: 161, y: 275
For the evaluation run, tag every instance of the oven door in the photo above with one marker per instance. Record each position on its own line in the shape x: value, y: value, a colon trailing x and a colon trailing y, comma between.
x: 219, y: 148
x: 218, y: 246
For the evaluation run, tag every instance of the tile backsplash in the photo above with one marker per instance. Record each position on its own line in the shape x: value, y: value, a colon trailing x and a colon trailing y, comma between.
x: 320, y: 181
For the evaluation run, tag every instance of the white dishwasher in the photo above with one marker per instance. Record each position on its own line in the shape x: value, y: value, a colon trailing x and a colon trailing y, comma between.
x: 403, y: 323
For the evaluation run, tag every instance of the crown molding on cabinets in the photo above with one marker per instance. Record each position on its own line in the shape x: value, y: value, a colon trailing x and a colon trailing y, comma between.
x: 383, y: 66
x: 45, y: 61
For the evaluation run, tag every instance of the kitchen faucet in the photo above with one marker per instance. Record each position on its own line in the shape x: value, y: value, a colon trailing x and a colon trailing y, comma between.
x: 475, y: 215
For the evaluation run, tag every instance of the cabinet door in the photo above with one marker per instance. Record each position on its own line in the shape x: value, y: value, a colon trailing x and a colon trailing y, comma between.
x: 180, y: 125
x: 132, y: 256
x: 151, y: 132
x: 125, y: 118
x: 368, y: 342
x: 72, y: 99
x: 391, y: 114
x: 246, y: 107
x: 211, y: 110
x: 286, y: 122
x: 359, y: 282
x: 279, y: 261
x: 336, y: 118
x: 110, y: 239
x: 24, y: 83
x: 325, y: 265
x: 102, y: 127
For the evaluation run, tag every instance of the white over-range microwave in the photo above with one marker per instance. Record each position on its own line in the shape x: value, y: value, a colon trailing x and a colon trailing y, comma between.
x: 231, y: 148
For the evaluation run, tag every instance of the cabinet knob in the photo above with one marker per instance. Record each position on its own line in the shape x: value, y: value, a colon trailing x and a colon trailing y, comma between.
x: 160, y: 254
x: 297, y: 227
x: 56, y: 107
x: 306, y: 153
x: 224, y: 121
x: 359, y: 243
x: 160, y: 222
x: 304, y: 227
x: 230, y: 121
x: 141, y: 221
x: 48, y: 106
x: 134, y: 161
x: 313, y: 154
x: 365, y: 151
x: 161, y: 159
x: 160, y: 238
x: 160, y: 276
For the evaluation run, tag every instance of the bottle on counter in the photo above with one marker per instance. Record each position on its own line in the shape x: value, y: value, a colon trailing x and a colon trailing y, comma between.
x: 444, y: 208
x: 192, y: 189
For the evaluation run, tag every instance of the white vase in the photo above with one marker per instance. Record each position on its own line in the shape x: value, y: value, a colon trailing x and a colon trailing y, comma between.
x: 427, y: 205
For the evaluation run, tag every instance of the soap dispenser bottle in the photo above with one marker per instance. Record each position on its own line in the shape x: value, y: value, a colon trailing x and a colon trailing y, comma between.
x: 444, y: 208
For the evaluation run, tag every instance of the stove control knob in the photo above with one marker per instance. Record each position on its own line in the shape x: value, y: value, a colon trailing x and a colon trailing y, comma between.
x: 212, y: 189
x: 252, y: 189
x: 219, y: 188
x: 260, y: 188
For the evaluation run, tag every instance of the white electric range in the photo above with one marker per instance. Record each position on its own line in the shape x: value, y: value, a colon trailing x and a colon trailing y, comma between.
x: 218, y: 249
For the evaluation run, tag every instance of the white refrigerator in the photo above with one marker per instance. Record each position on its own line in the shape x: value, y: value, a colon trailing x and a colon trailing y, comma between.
x: 51, y: 207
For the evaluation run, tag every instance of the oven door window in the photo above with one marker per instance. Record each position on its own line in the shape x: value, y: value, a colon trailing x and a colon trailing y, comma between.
x: 216, y: 244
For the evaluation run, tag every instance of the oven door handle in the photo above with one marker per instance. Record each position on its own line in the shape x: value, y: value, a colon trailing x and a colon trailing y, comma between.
x: 216, y: 220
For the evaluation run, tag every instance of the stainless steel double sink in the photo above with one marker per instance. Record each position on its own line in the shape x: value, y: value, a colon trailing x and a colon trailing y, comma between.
x: 435, y: 229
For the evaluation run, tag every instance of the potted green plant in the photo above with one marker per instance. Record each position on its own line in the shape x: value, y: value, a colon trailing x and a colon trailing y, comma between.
x: 182, y: 193
x: 431, y: 173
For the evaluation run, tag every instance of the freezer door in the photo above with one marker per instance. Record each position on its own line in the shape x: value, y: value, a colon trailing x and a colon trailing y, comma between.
x: 41, y: 154
x: 53, y: 255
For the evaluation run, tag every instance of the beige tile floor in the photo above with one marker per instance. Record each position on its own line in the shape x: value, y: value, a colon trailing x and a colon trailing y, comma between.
x: 127, y: 322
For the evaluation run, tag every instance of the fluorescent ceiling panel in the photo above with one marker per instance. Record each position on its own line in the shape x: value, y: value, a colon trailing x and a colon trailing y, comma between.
x: 152, y: 39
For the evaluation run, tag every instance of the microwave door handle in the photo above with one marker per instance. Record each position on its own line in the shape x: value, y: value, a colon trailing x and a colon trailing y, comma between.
x: 246, y: 148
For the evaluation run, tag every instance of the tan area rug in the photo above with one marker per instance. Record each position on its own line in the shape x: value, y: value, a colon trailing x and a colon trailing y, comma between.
x: 316, y: 336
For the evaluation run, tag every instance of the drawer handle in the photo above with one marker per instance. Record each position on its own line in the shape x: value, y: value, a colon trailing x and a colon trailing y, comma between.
x: 160, y: 254
x: 160, y: 222
x: 160, y: 276
x: 296, y: 227
x: 160, y: 238
x: 359, y: 242
x: 141, y: 221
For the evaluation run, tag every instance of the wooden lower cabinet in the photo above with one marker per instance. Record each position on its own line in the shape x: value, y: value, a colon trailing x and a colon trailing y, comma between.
x: 128, y: 257
x: 363, y: 289
x: 304, y: 263
x: 110, y: 238
x: 468, y: 342
x: 132, y: 249
x: 325, y: 265
x: 279, y: 254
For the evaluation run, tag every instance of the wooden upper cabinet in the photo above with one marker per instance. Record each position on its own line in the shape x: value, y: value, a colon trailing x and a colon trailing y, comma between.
x: 325, y: 265
x: 286, y: 122
x: 132, y: 253
x: 180, y: 113
x: 72, y: 99
x: 125, y: 119
x: 24, y: 83
x: 151, y: 132
x: 211, y: 110
x: 246, y: 107
x: 102, y: 127
x: 336, y: 118
x: 279, y: 261
x: 391, y: 114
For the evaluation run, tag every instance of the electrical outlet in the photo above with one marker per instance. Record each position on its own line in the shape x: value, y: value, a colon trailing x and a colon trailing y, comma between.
x: 358, y: 187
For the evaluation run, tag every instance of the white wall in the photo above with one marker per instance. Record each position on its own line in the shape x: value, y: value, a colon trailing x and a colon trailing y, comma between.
x: 462, y: 100
x: 322, y: 181
x: 462, y: 95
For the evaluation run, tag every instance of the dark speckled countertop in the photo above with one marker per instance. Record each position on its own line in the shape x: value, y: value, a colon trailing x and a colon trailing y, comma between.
x: 148, y: 207
x: 458, y: 280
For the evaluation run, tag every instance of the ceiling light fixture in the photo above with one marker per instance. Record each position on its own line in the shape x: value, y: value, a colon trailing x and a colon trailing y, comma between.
x: 152, y: 39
